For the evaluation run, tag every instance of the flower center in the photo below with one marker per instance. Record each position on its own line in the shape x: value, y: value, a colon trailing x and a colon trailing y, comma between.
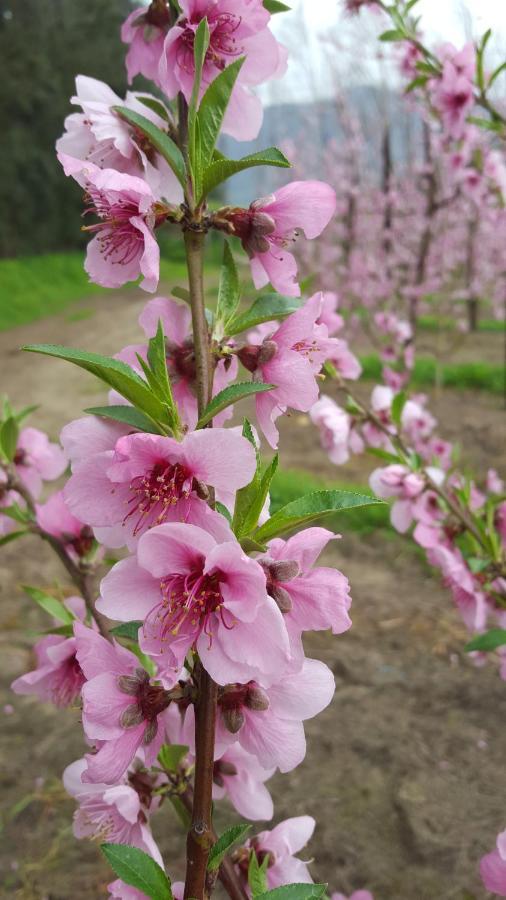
x: 119, y: 240
x: 69, y: 682
x: 181, y: 359
x: 188, y: 604
x: 153, y: 494
x: 223, y: 44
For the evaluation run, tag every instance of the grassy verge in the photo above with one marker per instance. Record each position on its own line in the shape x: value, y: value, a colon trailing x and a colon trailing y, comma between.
x: 289, y: 484
x: 33, y: 287
x: 478, y: 375
x: 434, y: 323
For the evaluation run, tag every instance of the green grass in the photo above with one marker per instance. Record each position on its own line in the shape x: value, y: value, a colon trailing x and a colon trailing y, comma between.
x: 33, y: 287
x: 435, y: 323
x: 289, y: 484
x: 477, y: 375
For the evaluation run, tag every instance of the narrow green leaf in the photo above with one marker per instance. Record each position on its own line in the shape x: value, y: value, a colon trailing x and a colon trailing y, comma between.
x: 231, y: 836
x: 171, y: 755
x: 154, y: 104
x: 265, y: 308
x: 23, y: 516
x: 157, y: 359
x: 250, y: 546
x: 491, y: 640
x: 252, y: 503
x: 487, y: 124
x: 310, y: 508
x: 50, y: 605
x: 222, y: 509
x: 112, y: 372
x: 181, y: 293
x: 229, y: 292
x: 398, y: 404
x: 12, y: 536
x: 129, y: 415
x: 128, y: 630
x: 382, y: 454
x: 421, y: 81
x: 257, y: 875
x: 276, y: 6
x: 392, y: 35
x: 495, y: 74
x: 221, y: 169
x: 295, y: 892
x: 181, y: 811
x: 25, y: 412
x: 9, y: 433
x: 213, y: 107
x: 200, y: 47
x: 138, y: 869
x: 229, y: 395
x: 158, y: 139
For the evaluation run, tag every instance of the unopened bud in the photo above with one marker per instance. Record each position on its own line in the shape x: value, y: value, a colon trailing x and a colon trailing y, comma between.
x: 128, y: 684
x: 267, y: 351
x: 151, y: 731
x: 257, y: 699
x: 131, y: 716
x: 284, y: 570
x: 281, y: 597
x: 233, y: 719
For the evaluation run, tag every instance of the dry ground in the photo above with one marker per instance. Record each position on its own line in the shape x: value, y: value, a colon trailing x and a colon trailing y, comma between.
x: 404, y: 771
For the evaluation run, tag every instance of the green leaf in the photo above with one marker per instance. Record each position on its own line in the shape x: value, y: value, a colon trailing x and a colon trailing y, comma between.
x: 222, y: 509
x: 171, y: 755
x: 310, y: 508
x: 382, y: 454
x: 421, y: 81
x: 257, y: 875
x: 251, y: 499
x: 112, y: 372
x: 25, y: 412
x: 227, y: 840
x: 487, y: 124
x: 295, y: 892
x: 181, y: 293
x: 138, y: 869
x: 157, y: 359
x: 158, y: 139
x: 229, y: 291
x: 398, y: 405
x: 50, y: 604
x: 221, y: 169
x: 180, y: 809
x: 275, y: 6
x: 491, y: 640
x: 129, y: 415
x: 9, y: 433
x: 213, y: 107
x: 268, y: 307
x: 128, y: 630
x: 392, y: 35
x: 495, y: 74
x: 12, y: 536
x: 229, y: 395
x: 15, y: 512
x: 200, y: 47
x: 155, y: 104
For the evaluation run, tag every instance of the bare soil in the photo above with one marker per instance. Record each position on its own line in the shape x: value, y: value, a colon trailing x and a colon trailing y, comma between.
x: 405, y: 769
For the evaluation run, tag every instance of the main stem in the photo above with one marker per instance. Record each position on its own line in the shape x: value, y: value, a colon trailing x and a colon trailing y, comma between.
x: 200, y: 836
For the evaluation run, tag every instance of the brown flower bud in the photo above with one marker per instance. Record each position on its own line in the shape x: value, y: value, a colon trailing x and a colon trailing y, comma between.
x: 282, y: 598
x: 256, y: 698
x: 233, y: 719
x: 267, y: 351
x: 284, y: 570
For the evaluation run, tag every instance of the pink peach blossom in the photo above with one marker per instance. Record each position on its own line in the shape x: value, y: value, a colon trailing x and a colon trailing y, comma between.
x: 111, y: 813
x: 282, y: 843
x: 273, y: 223
x: 37, y: 460
x: 55, y: 518
x: 398, y: 481
x: 334, y: 426
x: 58, y: 677
x: 267, y: 721
x: 236, y: 28
x: 149, y: 479
x: 311, y: 597
x: 192, y: 591
x: 493, y: 867
x: 123, y: 246
x: 240, y: 777
x: 290, y: 359
x: 146, y: 38
x: 122, y: 708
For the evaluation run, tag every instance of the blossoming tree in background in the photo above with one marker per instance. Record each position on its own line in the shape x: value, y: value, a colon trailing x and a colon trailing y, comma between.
x: 200, y: 690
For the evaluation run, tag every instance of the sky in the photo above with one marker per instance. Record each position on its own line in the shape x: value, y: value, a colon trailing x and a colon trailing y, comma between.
x: 301, y: 31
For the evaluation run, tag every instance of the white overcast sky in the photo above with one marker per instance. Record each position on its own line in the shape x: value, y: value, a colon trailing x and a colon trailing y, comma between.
x: 301, y: 30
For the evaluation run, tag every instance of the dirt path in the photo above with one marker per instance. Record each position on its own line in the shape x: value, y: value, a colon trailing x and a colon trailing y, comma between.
x: 404, y: 771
